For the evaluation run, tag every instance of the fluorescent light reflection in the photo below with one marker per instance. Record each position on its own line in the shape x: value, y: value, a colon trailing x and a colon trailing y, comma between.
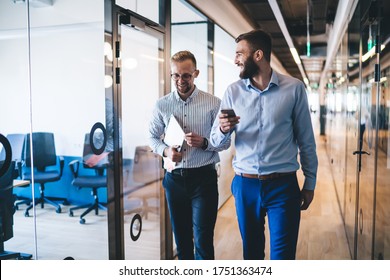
x: 108, y: 81
x: 295, y: 55
x: 382, y: 80
x: 130, y: 63
x: 370, y: 53
x: 221, y: 56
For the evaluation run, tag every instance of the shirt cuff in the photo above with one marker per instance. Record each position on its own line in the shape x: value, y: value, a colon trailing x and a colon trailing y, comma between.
x: 309, y: 184
x: 160, y: 150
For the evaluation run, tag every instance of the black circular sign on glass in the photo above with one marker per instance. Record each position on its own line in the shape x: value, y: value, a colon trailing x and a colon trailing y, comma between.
x: 8, y: 154
x: 95, y: 150
x: 137, y: 217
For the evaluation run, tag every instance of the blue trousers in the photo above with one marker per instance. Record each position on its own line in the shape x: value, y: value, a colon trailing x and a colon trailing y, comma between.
x: 193, y: 202
x: 280, y: 200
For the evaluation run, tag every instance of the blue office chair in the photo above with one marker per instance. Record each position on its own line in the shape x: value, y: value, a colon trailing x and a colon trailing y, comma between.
x: 7, y: 211
x: 95, y: 181
x: 44, y: 156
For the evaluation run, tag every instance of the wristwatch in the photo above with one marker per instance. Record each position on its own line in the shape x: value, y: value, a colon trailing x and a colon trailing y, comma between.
x: 205, y: 143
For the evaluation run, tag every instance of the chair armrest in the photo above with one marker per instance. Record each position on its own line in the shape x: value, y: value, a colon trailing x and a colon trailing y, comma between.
x: 19, y: 165
x: 62, y: 162
x: 74, y: 167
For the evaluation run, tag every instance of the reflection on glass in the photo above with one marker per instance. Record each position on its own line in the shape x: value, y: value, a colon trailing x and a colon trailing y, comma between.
x: 382, y: 217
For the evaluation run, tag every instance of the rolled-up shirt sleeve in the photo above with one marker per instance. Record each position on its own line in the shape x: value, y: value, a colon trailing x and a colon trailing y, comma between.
x: 156, y: 131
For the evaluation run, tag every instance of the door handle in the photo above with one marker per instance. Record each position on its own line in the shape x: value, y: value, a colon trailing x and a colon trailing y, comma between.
x: 361, y: 153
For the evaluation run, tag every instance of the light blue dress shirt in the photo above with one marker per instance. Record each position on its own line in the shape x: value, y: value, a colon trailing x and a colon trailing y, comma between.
x: 275, y: 125
x: 196, y: 114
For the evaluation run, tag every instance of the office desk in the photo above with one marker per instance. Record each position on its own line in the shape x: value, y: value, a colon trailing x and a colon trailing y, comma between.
x: 20, y: 183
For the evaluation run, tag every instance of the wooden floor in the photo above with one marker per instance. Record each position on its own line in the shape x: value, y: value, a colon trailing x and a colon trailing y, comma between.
x: 322, y: 235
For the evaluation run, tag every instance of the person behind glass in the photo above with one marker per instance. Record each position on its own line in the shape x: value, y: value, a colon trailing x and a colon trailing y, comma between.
x: 191, y: 187
x: 272, y: 125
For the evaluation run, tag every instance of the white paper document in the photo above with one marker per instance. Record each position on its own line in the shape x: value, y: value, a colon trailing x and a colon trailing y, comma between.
x: 174, y: 136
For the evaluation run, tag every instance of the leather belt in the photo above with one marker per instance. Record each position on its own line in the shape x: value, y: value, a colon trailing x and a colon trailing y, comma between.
x: 265, y: 177
x: 191, y: 171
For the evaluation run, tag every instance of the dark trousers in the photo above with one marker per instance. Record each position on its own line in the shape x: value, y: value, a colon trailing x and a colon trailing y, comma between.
x: 280, y: 200
x: 193, y: 202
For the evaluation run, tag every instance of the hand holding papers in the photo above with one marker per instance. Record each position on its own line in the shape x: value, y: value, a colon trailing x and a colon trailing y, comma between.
x: 174, y: 137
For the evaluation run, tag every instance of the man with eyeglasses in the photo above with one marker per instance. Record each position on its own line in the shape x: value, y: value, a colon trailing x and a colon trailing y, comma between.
x: 191, y: 187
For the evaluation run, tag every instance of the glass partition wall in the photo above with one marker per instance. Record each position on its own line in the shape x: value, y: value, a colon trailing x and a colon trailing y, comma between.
x: 86, y: 80
x: 52, y: 74
x: 141, y: 84
x: 365, y: 205
x: 14, y: 119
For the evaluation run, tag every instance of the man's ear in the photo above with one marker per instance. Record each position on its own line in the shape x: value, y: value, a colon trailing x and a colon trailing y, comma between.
x: 259, y: 54
x: 196, y: 73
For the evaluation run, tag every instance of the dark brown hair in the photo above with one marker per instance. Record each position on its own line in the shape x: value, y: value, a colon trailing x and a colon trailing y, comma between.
x: 258, y: 40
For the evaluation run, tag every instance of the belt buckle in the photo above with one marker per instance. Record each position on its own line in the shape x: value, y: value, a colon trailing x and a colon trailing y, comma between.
x: 183, y: 172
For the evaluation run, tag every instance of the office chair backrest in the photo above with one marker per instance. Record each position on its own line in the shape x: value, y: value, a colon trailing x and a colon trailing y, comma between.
x: 16, y: 140
x: 44, y: 151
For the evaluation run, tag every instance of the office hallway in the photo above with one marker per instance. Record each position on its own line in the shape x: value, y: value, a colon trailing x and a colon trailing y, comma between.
x: 321, y: 235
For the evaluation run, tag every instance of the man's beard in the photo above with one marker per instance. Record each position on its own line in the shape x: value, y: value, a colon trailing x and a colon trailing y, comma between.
x: 250, y: 69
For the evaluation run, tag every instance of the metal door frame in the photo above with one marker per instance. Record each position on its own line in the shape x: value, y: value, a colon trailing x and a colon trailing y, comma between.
x: 116, y: 237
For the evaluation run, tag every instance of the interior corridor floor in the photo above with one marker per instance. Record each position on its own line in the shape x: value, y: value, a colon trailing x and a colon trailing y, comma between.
x: 321, y: 235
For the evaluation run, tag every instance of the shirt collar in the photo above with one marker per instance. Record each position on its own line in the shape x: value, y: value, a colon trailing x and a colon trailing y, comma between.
x: 274, y: 81
x: 193, y: 94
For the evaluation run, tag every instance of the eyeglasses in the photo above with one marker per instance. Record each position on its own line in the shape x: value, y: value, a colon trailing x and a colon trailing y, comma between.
x: 184, y: 76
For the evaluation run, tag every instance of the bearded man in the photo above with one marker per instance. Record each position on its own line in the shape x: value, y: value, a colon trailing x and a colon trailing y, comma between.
x: 272, y: 126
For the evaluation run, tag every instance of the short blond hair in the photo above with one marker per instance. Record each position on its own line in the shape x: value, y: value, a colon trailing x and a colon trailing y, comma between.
x: 182, y: 56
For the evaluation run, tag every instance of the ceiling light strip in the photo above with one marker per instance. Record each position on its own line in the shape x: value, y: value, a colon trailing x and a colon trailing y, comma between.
x: 345, y: 10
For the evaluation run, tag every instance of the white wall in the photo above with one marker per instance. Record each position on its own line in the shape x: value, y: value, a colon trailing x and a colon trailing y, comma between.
x: 193, y: 37
x: 225, y: 71
x: 67, y: 70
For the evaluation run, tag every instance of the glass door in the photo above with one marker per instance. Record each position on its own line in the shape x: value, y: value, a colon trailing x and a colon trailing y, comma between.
x: 368, y: 146
x: 352, y: 133
x: 141, y: 83
x: 382, y: 192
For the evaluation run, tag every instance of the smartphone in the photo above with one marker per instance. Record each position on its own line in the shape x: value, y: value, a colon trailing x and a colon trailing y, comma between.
x: 229, y: 112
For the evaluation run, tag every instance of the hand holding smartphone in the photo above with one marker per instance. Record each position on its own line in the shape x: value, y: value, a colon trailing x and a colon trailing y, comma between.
x: 230, y: 112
